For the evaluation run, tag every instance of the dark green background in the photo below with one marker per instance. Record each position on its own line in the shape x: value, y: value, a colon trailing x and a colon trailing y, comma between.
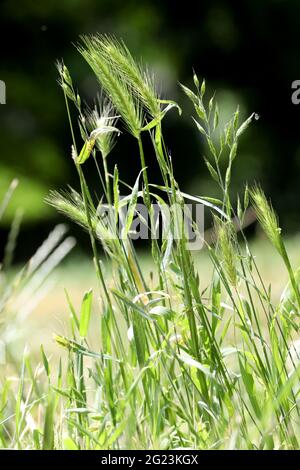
x: 247, y: 50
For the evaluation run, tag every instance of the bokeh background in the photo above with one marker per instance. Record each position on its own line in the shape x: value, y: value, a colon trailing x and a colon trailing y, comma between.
x: 248, y: 51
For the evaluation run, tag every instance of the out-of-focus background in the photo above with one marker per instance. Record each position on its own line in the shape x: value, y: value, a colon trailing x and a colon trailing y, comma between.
x: 247, y: 51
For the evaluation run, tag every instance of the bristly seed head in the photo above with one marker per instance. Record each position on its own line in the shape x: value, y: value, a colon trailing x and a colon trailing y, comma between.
x: 226, y: 245
x: 100, y: 122
x: 267, y: 217
x: 112, y: 82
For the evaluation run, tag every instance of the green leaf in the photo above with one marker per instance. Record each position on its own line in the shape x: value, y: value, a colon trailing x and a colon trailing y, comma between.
x: 72, y: 345
x: 48, y: 435
x: 116, y: 190
x: 72, y: 310
x: 216, y: 300
x: 160, y: 310
x: 85, y: 314
x: 191, y: 362
x: 131, y: 304
x: 171, y: 104
x: 132, y: 205
x: 45, y: 361
x: 69, y: 444
x: 250, y: 387
x: 244, y: 126
x: 154, y: 122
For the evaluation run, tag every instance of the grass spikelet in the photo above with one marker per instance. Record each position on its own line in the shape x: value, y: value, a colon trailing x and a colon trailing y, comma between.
x: 226, y: 247
x: 267, y: 217
x: 70, y: 204
x: 112, y: 83
x: 139, y: 79
x: 269, y: 222
x: 102, y: 117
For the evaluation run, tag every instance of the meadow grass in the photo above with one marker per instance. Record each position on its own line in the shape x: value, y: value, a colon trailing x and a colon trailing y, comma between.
x: 163, y: 359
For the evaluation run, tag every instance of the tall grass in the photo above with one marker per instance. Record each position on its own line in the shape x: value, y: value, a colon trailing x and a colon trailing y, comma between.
x: 180, y: 361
